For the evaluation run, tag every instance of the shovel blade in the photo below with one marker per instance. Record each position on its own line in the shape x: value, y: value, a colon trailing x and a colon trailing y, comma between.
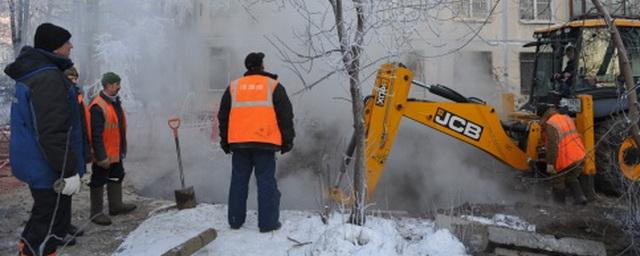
x: 185, y: 198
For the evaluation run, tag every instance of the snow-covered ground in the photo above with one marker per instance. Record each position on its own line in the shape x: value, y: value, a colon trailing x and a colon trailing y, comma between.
x: 302, y: 233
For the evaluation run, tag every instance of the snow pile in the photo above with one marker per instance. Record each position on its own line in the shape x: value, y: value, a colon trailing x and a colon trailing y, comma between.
x: 302, y: 233
x: 502, y: 220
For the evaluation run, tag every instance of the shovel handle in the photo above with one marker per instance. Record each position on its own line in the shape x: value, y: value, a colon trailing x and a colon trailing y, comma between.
x: 174, y: 124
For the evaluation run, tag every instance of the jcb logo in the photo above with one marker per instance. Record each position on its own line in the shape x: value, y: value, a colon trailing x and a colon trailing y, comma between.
x: 382, y: 94
x: 458, y: 124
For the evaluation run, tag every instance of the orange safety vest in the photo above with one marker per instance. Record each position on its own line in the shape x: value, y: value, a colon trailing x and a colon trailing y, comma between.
x: 85, y: 112
x: 111, y: 134
x: 252, y: 117
x: 570, y: 146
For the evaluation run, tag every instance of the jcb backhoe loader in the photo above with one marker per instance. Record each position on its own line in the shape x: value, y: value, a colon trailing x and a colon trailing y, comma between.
x: 596, y: 72
x: 594, y: 94
x: 468, y: 119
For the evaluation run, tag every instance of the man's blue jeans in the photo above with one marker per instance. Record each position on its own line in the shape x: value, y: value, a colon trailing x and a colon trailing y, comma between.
x: 243, y: 163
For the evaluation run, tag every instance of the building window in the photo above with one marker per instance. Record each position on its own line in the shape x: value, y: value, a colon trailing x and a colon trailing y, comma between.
x: 527, y: 62
x: 474, y: 9
x: 622, y: 8
x: 535, y: 10
x: 218, y: 70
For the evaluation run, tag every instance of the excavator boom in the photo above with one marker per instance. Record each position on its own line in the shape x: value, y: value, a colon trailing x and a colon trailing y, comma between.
x: 469, y: 120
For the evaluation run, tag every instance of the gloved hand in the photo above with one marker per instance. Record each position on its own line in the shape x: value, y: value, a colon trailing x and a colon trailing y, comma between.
x: 286, y: 147
x: 86, y: 178
x: 225, y: 147
x: 71, y: 185
x: 104, y: 163
x: 550, y: 169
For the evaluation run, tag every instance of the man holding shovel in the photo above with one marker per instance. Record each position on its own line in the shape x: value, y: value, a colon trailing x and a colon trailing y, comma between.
x: 255, y: 120
x: 109, y: 141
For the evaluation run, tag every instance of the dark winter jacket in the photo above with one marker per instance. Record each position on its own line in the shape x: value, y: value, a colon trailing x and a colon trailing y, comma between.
x: 97, y: 127
x: 284, y: 115
x: 46, y: 130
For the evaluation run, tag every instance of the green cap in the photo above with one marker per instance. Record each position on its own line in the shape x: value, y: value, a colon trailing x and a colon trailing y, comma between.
x: 109, y: 78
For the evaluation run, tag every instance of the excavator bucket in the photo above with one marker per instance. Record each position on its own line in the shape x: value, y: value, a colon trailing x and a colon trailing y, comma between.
x: 339, y: 196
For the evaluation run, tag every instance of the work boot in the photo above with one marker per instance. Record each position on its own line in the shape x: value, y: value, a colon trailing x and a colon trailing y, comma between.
x: 558, y: 195
x: 274, y: 228
x: 97, y: 216
x: 586, y: 181
x: 578, y: 197
x: 116, y: 206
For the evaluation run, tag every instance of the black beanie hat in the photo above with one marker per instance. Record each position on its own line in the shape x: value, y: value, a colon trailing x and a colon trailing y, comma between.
x: 253, y: 61
x: 50, y: 37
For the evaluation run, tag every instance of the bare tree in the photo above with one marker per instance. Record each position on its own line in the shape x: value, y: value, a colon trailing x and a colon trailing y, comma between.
x: 351, y: 60
x: 625, y: 67
x: 339, y: 34
x: 19, y: 15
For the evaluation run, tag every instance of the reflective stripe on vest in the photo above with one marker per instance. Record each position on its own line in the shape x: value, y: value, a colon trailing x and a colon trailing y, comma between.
x: 252, y: 117
x: 111, y: 133
x: 570, y: 146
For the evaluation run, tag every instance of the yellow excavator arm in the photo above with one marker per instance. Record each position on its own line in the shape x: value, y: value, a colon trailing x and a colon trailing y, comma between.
x: 474, y: 123
x: 467, y: 119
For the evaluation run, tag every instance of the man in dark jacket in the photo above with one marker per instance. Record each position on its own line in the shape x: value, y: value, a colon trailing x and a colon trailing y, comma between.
x: 109, y: 143
x: 46, y: 146
x: 255, y: 120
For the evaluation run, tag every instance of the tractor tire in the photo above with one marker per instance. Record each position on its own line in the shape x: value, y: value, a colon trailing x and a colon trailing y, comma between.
x: 609, y: 136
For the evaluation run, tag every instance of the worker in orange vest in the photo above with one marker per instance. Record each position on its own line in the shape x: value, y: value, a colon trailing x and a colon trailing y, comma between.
x: 73, y: 75
x: 565, y: 154
x: 109, y: 142
x: 255, y: 120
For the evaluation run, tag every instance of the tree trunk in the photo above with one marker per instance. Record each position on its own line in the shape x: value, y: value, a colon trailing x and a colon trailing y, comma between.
x: 360, y: 178
x: 19, y: 15
x: 15, y: 35
x: 625, y: 67
x: 25, y: 25
x: 351, y: 61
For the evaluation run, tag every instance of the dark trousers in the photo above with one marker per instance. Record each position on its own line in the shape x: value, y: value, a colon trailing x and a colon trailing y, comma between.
x: 37, y: 228
x: 565, y: 180
x: 101, y: 176
x: 244, y: 161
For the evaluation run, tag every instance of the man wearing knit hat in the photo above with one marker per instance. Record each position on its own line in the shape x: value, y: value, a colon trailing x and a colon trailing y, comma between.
x: 109, y: 142
x: 46, y: 138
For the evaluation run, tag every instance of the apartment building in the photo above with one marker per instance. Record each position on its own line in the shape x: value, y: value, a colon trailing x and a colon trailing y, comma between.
x: 483, y: 41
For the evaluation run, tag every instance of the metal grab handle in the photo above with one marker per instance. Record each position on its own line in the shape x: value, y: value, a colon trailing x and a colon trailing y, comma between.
x: 174, y: 124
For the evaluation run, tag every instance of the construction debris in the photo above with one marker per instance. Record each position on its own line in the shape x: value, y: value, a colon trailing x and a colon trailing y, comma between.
x: 194, y: 244
x: 486, y: 237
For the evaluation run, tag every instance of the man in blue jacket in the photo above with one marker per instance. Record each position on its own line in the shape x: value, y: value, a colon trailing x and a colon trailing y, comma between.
x: 46, y: 147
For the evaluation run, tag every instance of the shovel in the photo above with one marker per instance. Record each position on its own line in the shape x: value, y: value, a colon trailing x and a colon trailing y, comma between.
x: 185, y: 197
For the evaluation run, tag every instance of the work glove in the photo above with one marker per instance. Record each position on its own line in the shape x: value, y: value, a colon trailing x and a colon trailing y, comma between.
x: 286, y: 147
x: 86, y: 178
x: 550, y: 169
x: 225, y: 147
x: 68, y: 186
x: 104, y: 163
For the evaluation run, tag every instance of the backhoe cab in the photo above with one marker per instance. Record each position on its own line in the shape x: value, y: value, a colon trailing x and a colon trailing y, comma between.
x: 584, y: 51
